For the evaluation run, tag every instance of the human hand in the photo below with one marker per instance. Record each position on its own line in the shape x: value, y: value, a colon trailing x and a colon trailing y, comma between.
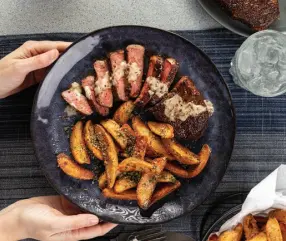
x: 50, y: 218
x: 27, y: 65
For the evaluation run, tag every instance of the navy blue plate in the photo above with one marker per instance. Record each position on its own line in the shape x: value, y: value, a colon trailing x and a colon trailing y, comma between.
x: 49, y: 124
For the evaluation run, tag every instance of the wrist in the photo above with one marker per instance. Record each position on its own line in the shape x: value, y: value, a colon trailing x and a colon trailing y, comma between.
x: 10, y: 228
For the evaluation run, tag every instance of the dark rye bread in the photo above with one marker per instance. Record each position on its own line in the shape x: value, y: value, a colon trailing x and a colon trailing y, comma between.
x: 193, y: 127
x: 257, y: 14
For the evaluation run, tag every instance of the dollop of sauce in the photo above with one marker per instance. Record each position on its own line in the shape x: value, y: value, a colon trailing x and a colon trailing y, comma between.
x: 119, y: 72
x: 133, y: 72
x: 156, y: 87
x: 210, y: 107
x: 102, y: 84
x: 176, y: 108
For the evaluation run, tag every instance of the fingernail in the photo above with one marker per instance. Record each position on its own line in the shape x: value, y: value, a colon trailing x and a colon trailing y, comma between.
x: 93, y: 221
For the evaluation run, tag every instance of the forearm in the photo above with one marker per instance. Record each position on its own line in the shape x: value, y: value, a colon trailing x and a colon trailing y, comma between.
x: 10, y: 229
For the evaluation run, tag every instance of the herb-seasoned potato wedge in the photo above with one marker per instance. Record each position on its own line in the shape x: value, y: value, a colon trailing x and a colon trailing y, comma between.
x: 232, y: 235
x: 166, y: 176
x: 164, y: 191
x: 192, y: 171
x: 250, y: 227
x: 73, y: 169
x: 77, y: 144
x: 147, y: 183
x: 163, y: 130
x: 140, y: 147
x: 128, y: 182
x: 109, y: 153
x: 273, y: 230
x: 259, y: 237
x: 127, y: 195
x: 102, y: 181
x: 279, y: 214
x: 154, y: 146
x: 114, y: 130
x: 124, y: 112
x: 180, y: 153
x: 91, y: 140
x: 132, y: 164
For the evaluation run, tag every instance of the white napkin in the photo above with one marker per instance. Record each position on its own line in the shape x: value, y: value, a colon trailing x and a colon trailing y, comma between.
x: 269, y: 194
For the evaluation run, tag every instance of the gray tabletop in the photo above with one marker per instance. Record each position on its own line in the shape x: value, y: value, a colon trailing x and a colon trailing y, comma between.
x: 41, y: 16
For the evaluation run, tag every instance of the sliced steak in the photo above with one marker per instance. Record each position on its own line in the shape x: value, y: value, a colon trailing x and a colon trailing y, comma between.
x: 135, y: 59
x: 257, y: 14
x: 185, y: 109
x: 152, y: 81
x: 119, y: 67
x: 103, y: 89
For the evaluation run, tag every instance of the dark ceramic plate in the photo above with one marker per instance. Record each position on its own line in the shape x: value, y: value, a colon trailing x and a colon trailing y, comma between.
x: 48, y: 125
x: 214, y: 10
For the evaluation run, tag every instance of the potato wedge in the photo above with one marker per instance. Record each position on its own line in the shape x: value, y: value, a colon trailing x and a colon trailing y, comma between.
x: 250, y: 227
x: 273, y: 230
x: 109, y: 153
x: 191, y: 172
x: 177, y: 170
x: 279, y: 214
x: 140, y: 147
x: 283, y: 230
x: 154, y: 144
x: 114, y: 130
x: 77, y: 145
x: 72, y: 169
x: 204, y: 156
x: 164, y: 191
x: 102, y: 181
x: 148, y: 182
x: 232, y: 235
x: 163, y: 130
x: 166, y: 176
x: 180, y: 153
x: 127, y: 195
x: 132, y: 164
x: 125, y: 183
x: 91, y: 140
x: 124, y: 112
x: 259, y: 237
x: 128, y: 131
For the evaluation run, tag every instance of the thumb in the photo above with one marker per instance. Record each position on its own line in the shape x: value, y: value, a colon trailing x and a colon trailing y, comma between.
x: 67, y: 223
x: 39, y: 61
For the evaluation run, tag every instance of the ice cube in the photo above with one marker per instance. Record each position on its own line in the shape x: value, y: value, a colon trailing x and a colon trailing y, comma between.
x: 246, y: 63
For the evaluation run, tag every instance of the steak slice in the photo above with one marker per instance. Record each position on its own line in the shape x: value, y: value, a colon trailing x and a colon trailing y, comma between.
x: 189, y: 126
x: 257, y: 14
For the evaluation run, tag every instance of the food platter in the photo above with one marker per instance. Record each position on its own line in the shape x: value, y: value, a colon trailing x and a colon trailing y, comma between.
x: 49, y: 125
x: 215, y: 11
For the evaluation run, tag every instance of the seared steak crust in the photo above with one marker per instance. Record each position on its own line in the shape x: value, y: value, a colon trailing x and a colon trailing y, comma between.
x: 193, y: 127
x: 257, y: 14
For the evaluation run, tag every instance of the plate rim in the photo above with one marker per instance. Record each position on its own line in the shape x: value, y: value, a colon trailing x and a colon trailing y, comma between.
x: 107, y: 218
